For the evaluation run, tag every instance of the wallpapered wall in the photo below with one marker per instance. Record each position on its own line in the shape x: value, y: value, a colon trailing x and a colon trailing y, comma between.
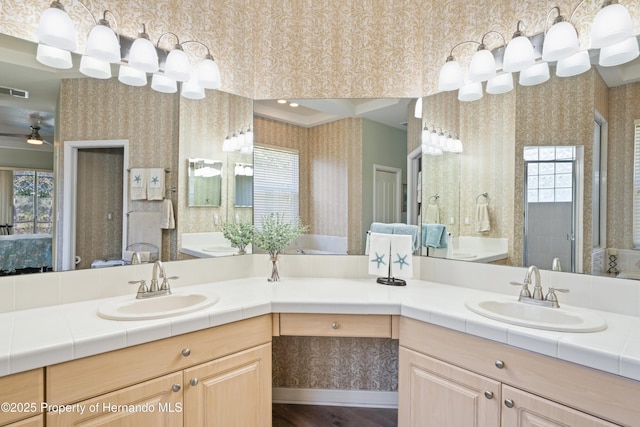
x: 330, y: 157
x: 323, y: 49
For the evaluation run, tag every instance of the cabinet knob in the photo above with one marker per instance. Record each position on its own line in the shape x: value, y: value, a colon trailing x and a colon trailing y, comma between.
x: 186, y: 352
x: 509, y: 403
x: 335, y: 325
x: 194, y: 381
x: 499, y: 364
x: 176, y: 388
x: 488, y: 394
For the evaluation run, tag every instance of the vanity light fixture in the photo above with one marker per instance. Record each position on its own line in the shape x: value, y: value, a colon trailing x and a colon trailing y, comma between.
x: 143, y: 55
x: 577, y: 63
x: 56, y: 28
x: 483, y: 64
x: 561, y: 41
x: 249, y: 136
x: 164, y: 84
x: 451, y: 74
x: 519, y: 54
x: 611, y: 25
x: 470, y: 92
x: 534, y: 75
x: 103, y: 43
x: 96, y: 68
x: 131, y: 76
x: 191, y: 89
x: 54, y: 57
x: 227, y: 145
x: 177, y: 65
x: 425, y: 136
x: 502, y: 83
x: 619, y: 53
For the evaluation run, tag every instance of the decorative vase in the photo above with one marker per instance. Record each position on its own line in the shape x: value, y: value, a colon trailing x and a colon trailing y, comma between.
x: 275, y: 276
x: 241, y: 252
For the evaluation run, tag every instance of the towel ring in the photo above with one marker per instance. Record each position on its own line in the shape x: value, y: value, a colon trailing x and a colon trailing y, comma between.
x: 435, y: 197
x: 485, y: 195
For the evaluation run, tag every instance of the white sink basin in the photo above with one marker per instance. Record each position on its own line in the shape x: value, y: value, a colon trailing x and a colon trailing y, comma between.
x: 156, y: 307
x: 221, y: 249
x: 563, y: 319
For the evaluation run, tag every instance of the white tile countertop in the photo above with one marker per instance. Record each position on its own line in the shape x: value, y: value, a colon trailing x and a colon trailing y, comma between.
x: 44, y: 336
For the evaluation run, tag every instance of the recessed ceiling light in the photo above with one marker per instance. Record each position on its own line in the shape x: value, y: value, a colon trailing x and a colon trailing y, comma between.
x: 293, y: 104
x: 282, y: 101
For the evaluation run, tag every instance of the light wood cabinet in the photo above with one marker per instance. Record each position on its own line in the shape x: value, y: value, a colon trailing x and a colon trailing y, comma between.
x: 37, y: 421
x: 225, y: 380
x: 336, y: 325
x: 23, y: 394
x: 540, y: 390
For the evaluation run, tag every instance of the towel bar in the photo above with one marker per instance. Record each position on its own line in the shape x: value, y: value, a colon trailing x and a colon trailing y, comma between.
x: 485, y: 195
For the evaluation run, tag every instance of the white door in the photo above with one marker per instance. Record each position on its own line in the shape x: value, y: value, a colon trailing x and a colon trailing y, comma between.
x: 387, y: 184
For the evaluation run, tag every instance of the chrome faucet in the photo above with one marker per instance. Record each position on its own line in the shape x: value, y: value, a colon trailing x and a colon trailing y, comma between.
x: 555, y: 264
x: 537, y: 298
x: 154, y: 290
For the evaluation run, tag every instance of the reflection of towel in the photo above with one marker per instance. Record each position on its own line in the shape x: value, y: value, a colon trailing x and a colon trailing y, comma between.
x: 434, y: 235
x: 411, y: 230
x: 144, y: 227
x: 432, y: 216
x: 168, y: 221
x: 379, y: 248
x: 155, y: 184
x: 138, y: 178
x: 401, y: 261
x: 482, y: 218
x: 381, y: 227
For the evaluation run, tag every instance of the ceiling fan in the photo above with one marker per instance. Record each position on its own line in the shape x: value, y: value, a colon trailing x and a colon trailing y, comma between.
x: 34, y: 136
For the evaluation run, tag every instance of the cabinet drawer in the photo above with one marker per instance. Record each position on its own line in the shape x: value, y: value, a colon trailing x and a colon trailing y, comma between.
x: 335, y: 325
x: 589, y: 390
x: 24, y: 391
x: 91, y: 376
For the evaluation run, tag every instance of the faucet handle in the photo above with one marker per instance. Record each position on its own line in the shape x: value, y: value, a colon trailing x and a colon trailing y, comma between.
x: 551, y: 296
x: 524, y: 293
x: 142, y: 289
x: 165, y: 283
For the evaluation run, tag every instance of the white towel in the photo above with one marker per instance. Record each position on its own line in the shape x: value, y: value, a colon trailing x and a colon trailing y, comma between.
x: 483, y: 224
x: 144, y: 227
x: 401, y: 261
x: 168, y: 220
x: 155, y: 184
x: 138, y: 179
x: 379, y: 249
x: 432, y: 216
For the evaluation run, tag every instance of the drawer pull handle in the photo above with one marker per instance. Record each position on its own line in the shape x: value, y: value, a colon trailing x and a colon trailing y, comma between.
x: 488, y: 394
x: 176, y: 388
x: 509, y: 403
x: 499, y: 364
x: 186, y: 352
x: 335, y: 325
x: 194, y: 381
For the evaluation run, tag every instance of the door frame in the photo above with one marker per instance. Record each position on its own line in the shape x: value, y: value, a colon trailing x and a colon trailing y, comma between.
x: 412, y: 185
x: 398, y: 201
x: 70, y: 194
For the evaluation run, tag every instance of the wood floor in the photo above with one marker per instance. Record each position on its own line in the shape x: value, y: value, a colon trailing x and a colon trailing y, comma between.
x: 336, y: 416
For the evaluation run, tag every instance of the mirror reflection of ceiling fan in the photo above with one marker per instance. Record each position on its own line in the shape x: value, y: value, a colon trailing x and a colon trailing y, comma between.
x: 33, y: 136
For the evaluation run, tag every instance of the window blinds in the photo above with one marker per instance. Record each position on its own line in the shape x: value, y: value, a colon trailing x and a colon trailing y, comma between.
x: 636, y: 185
x: 275, y: 183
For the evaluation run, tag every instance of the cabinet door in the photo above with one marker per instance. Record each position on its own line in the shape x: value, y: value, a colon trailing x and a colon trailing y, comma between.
x: 434, y: 393
x: 522, y: 409
x: 231, y: 391
x: 37, y: 421
x: 156, y: 402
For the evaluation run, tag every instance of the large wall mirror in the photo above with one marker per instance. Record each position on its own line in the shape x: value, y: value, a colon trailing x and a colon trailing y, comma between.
x: 112, y: 129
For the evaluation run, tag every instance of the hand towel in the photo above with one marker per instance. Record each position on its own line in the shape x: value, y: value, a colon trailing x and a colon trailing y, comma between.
x: 410, y: 230
x: 483, y: 223
x: 144, y: 227
x: 401, y: 256
x: 138, y: 179
x: 379, y: 248
x: 432, y: 216
x: 155, y: 184
x: 381, y: 227
x: 434, y: 235
x: 168, y: 220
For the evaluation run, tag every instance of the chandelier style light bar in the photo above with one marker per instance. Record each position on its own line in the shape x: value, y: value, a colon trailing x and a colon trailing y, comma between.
x: 57, y: 38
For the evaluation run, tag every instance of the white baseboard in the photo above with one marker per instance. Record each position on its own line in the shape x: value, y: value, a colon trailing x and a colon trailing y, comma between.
x: 359, y: 398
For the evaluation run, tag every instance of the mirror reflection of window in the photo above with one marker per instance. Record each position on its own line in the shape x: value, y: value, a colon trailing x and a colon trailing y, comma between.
x: 205, y: 182
x: 32, y: 202
x: 276, y: 183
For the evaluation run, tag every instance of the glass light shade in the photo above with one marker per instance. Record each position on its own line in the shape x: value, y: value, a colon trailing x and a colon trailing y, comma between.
x: 417, y: 111
x: 502, y: 83
x: 426, y: 136
x: 619, y: 53
x: 143, y: 56
x: 192, y: 90
x: 482, y: 66
x: 56, y: 29
x: 95, y: 68
x: 611, y: 25
x: 535, y: 75
x: 470, y: 92
x: 451, y: 76
x: 248, y: 171
x: 209, y: 74
x: 576, y: 64
x: 34, y: 141
x: 227, y: 145
x: 103, y: 44
x: 54, y: 57
x: 247, y: 149
x: 560, y: 42
x: 458, y: 146
x: 178, y: 66
x: 449, y: 145
x: 164, y: 84
x: 131, y: 76
x: 518, y: 55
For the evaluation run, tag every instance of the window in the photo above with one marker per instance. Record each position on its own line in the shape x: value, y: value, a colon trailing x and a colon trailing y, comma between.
x: 275, y: 183
x: 32, y: 202
x: 636, y: 186
x: 549, y: 173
